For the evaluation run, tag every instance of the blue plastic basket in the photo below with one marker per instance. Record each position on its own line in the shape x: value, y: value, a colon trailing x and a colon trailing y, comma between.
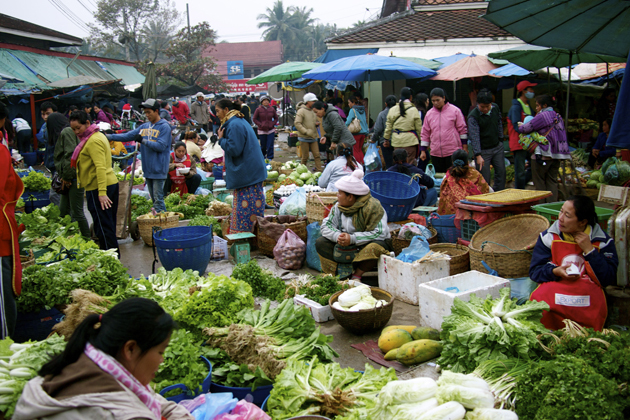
x: 188, y: 247
x: 35, y: 200
x: 445, y: 227
x: 259, y: 396
x: 30, y: 158
x: 217, y: 172
x: 395, y: 192
x: 187, y: 394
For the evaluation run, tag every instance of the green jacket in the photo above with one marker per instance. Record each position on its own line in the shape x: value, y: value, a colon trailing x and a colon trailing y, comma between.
x: 66, y: 143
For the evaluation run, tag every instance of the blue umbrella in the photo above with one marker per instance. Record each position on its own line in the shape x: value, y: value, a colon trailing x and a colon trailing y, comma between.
x: 450, y: 59
x: 365, y: 68
x: 509, y: 70
x: 619, y: 136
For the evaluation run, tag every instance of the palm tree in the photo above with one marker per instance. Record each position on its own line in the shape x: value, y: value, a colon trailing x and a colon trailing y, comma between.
x: 278, y: 23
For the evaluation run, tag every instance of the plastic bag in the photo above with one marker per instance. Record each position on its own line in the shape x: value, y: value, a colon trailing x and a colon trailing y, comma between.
x: 216, y: 403
x: 617, y: 172
x: 244, y: 411
x: 409, y: 230
x: 418, y: 248
x: 430, y: 170
x: 312, y: 257
x: 372, y: 159
x: 295, y: 204
x: 193, y: 404
x: 290, y: 251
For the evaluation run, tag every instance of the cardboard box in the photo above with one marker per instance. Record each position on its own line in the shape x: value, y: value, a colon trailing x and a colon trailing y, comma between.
x: 436, y: 302
x: 320, y: 313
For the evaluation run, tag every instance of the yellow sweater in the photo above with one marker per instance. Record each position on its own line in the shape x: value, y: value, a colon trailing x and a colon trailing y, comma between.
x: 117, y: 148
x: 94, y: 166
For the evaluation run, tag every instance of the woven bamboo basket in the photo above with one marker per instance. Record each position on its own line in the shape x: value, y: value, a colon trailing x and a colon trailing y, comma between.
x: 460, y: 257
x: 316, y: 204
x: 506, y: 244
x: 266, y: 244
x: 367, y: 320
x: 145, y: 226
x: 328, y: 266
x: 400, y: 244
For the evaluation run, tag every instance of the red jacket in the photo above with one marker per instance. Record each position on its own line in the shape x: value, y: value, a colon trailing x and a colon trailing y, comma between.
x: 265, y: 118
x: 181, y: 112
x: 11, y: 188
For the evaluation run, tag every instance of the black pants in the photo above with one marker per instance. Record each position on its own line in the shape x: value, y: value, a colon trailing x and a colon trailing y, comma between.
x: 441, y: 164
x: 104, y: 220
x: 24, y: 140
x: 388, y: 155
x: 192, y: 184
x: 8, y: 307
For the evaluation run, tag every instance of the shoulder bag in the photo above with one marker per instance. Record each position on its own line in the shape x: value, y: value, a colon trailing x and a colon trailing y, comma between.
x: 355, y: 126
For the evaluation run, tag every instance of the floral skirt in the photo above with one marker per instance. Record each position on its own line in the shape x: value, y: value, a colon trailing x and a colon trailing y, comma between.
x: 249, y: 203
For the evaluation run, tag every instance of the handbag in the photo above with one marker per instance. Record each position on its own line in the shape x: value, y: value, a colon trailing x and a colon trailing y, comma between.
x: 531, y: 142
x: 355, y: 126
x: 56, y: 184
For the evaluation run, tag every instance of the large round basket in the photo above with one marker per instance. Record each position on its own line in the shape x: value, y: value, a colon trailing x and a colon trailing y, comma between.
x: 400, y: 244
x: 505, y: 245
x: 186, y: 247
x: 367, y: 320
x: 460, y: 257
x: 145, y: 226
x: 397, y: 193
x: 317, y: 203
x: 266, y: 243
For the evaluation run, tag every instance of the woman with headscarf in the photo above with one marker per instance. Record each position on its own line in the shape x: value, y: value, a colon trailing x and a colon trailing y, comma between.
x: 65, y: 141
x: 92, y: 160
x: 356, y: 227
x: 460, y: 181
x: 357, y: 110
x: 404, y: 126
x: 265, y: 118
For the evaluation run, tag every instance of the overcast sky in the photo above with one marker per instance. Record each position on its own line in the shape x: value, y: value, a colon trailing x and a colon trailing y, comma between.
x: 234, y: 20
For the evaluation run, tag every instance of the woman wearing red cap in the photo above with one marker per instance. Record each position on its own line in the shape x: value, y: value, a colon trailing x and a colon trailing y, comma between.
x: 517, y: 113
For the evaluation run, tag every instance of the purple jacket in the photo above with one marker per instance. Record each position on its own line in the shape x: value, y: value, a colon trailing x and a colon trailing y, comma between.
x: 265, y: 118
x: 102, y: 116
x: 558, y: 147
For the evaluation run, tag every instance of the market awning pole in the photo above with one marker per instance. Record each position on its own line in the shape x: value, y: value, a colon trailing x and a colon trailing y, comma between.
x: 566, y: 119
x: 454, y: 91
x: 33, y: 122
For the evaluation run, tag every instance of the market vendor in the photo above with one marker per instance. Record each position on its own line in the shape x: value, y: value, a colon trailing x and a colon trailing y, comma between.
x: 600, y: 152
x: 185, y: 182
x: 573, y: 261
x: 357, y: 224
x: 460, y: 182
x: 105, y: 369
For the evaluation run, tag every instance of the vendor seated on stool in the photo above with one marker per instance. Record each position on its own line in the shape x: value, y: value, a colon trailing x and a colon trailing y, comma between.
x: 187, y: 183
x: 573, y: 261
x: 357, y: 221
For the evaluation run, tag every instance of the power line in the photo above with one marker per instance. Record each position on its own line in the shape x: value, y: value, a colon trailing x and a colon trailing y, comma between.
x: 70, y: 16
x: 85, y: 7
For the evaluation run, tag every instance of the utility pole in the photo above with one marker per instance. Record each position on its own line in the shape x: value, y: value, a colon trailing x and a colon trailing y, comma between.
x: 188, y: 17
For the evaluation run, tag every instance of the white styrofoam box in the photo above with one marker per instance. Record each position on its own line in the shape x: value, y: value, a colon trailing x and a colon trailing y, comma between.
x: 219, y: 249
x: 401, y: 279
x: 436, y: 302
x: 320, y: 313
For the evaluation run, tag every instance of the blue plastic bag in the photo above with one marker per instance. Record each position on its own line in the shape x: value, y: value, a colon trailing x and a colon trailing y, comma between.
x: 216, y: 403
x: 314, y: 231
x: 372, y: 159
x: 418, y: 248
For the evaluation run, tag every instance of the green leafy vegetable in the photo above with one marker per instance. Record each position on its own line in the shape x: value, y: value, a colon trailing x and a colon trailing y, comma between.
x: 36, y: 181
x: 189, y: 205
x: 321, y: 288
x: 139, y: 206
x: 203, y: 220
x: 263, y: 283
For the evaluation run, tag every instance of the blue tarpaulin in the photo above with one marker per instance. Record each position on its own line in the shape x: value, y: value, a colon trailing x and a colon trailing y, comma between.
x: 332, y: 55
x: 619, y: 136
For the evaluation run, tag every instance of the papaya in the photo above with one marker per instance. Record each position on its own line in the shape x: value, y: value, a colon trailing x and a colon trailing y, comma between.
x: 418, y: 351
x: 408, y: 328
x: 422, y: 333
x: 391, y: 355
x: 393, y: 339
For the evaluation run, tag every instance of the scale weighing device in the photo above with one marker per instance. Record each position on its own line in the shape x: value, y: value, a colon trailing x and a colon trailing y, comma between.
x: 240, y: 248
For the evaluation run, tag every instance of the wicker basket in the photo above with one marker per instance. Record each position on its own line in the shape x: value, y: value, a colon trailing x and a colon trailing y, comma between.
x: 266, y: 244
x: 505, y: 245
x: 146, y: 226
x: 316, y: 204
x: 400, y: 244
x: 328, y: 266
x: 460, y: 257
x: 367, y: 320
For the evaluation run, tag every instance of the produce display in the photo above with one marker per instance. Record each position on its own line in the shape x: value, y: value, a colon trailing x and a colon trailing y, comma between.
x: 357, y: 299
x: 189, y: 205
x: 318, y: 289
x: 139, y: 206
x: 410, y: 345
x: 263, y: 282
x: 300, y: 175
x: 203, y: 220
x: 36, y: 181
x: 581, y: 124
x: 44, y: 225
x: 137, y: 180
x: 218, y: 208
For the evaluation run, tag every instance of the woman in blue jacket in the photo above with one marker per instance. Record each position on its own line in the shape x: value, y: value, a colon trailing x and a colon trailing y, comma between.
x: 600, y: 152
x: 244, y: 166
x: 358, y: 111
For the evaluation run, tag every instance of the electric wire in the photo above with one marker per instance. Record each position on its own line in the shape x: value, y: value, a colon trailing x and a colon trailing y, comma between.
x: 78, y: 24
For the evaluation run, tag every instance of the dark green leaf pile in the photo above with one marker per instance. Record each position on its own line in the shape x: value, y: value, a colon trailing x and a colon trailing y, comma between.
x: 263, y: 283
x: 139, y: 206
x: 322, y: 288
x: 203, y: 220
x: 196, y: 207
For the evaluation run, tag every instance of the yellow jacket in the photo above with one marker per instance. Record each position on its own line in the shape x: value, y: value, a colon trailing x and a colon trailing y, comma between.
x: 117, y: 148
x: 398, y: 129
x: 94, y: 166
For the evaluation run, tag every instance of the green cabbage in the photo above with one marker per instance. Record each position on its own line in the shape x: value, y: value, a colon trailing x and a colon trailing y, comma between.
x: 272, y: 174
x: 282, y: 177
x: 299, y: 182
x: 468, y: 397
x: 301, y: 169
x: 306, y: 176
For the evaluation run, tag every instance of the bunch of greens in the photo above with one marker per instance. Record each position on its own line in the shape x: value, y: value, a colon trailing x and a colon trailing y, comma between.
x: 66, y: 247
x: 316, y: 388
x: 19, y: 363
x: 182, y: 364
x: 20, y: 203
x: 138, y: 180
x: 263, y: 283
x: 44, y: 225
x: 36, y: 181
x: 189, y: 205
x: 46, y: 286
x: 139, y: 206
x: 490, y: 329
x: 203, y: 220
x: 226, y: 372
x: 321, y: 288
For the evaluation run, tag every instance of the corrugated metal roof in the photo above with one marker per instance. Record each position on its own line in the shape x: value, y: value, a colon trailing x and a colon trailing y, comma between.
x: 9, y: 64
x: 128, y: 74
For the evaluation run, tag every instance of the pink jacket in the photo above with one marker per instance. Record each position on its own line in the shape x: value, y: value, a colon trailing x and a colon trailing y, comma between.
x: 444, y: 130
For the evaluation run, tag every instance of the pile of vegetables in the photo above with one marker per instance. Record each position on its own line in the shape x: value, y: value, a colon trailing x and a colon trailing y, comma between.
x: 218, y: 208
x: 19, y: 363
x: 20, y: 203
x: 189, y: 205
x: 263, y: 283
x: 357, y: 299
x: 66, y: 247
x: 137, y: 180
x: 43, y: 226
x: 579, y: 157
x: 318, y: 289
x: 490, y: 329
x: 203, y: 220
x: 410, y: 345
x: 36, y: 181
x: 139, y: 206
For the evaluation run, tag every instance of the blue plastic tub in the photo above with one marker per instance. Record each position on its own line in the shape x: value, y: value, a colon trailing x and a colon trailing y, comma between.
x: 397, y: 193
x: 30, y: 158
x: 36, y: 325
x: 445, y: 227
x: 260, y: 395
x: 188, y: 247
x: 186, y: 393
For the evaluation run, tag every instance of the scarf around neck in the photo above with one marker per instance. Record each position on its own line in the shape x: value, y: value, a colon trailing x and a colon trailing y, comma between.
x: 84, y: 138
x: 110, y: 365
x: 232, y: 113
x: 366, y: 213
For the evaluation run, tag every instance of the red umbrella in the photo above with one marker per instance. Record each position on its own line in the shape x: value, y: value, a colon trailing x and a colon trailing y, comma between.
x: 471, y: 66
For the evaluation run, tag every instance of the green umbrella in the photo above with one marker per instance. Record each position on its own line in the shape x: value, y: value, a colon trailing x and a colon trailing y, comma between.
x: 430, y: 64
x: 533, y: 57
x: 284, y: 72
x: 149, y: 87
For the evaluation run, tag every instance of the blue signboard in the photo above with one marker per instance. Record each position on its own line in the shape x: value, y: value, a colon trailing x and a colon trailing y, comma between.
x: 235, y: 70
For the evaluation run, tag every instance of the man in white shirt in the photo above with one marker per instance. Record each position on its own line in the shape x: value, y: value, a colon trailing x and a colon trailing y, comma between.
x: 23, y: 134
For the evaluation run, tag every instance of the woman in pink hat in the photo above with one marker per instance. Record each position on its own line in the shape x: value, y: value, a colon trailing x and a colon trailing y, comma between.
x: 356, y: 229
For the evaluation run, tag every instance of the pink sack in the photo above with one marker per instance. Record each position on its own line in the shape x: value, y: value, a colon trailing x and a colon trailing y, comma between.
x: 244, y: 411
x: 290, y: 251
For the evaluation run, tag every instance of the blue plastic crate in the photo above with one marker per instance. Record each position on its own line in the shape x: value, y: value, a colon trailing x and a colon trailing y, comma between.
x: 469, y: 228
x: 186, y: 393
x: 188, y: 247
x: 445, y: 227
x: 395, y: 192
x: 259, y: 396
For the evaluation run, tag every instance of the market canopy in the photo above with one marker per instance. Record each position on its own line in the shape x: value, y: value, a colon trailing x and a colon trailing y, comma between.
x: 619, y: 136
x: 509, y: 70
x: 430, y: 64
x: 76, y: 81
x: 595, y: 26
x: 365, y: 68
x: 333, y: 55
x: 470, y: 66
x: 284, y: 72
